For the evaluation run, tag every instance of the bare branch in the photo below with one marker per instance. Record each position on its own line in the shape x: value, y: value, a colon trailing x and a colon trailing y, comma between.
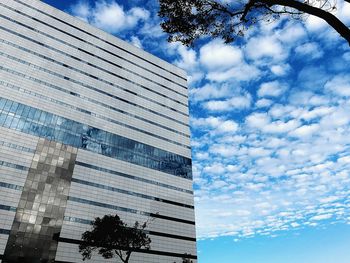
x: 331, y: 19
x: 247, y: 8
x: 188, y: 20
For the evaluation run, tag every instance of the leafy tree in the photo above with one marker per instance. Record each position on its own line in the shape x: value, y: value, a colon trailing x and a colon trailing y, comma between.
x: 111, y: 237
x: 186, y: 259
x: 187, y: 20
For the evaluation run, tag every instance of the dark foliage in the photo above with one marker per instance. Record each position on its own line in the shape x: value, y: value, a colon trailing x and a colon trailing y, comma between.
x: 111, y: 237
x: 186, y: 259
x: 188, y: 20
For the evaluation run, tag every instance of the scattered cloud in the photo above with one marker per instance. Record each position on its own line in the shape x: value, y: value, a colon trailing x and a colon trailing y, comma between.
x: 216, y: 54
x: 309, y: 51
x: 233, y: 103
x: 109, y: 15
x: 270, y: 120
x: 271, y: 89
x: 136, y: 42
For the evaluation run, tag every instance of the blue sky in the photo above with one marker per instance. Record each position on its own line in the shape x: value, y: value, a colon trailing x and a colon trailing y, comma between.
x: 270, y: 122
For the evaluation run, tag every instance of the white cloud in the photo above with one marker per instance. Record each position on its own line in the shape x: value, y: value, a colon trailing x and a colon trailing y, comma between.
x: 188, y: 57
x: 81, y: 10
x: 215, y: 168
x: 228, y: 126
x: 281, y: 164
x: 309, y: 51
x: 339, y: 85
x: 315, y: 24
x: 291, y: 33
x: 267, y: 46
x: 225, y: 62
x: 241, y: 72
x: 136, y: 42
x: 304, y: 131
x: 187, y: 60
x: 271, y: 89
x: 321, y: 217
x: 281, y: 69
x: 216, y: 54
x: 212, y: 91
x: 234, y: 103
x: 343, y: 11
x: 109, y: 16
x: 263, y: 103
x: 216, y: 125
x: 258, y: 120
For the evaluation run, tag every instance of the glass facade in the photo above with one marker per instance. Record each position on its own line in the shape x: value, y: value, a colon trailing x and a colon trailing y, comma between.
x: 17, y: 116
x: 144, y: 87
x: 40, y: 212
x: 118, y: 47
x: 89, y: 126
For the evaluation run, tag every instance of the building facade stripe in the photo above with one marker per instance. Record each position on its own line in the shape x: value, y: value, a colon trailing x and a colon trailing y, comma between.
x: 30, y: 120
x: 94, y: 114
x: 101, y: 169
x: 75, y: 94
x: 127, y: 192
x: 155, y: 252
x: 110, y: 43
x: 128, y: 210
x: 155, y: 233
x: 66, y: 86
x: 80, y: 39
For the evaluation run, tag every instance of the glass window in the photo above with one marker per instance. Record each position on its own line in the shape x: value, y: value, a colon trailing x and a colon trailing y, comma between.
x: 2, y: 103
x: 7, y: 105
x: 93, y: 139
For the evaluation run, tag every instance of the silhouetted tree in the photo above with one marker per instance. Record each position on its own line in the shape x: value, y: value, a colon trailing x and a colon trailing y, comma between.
x: 187, y: 20
x: 186, y: 259
x: 111, y: 237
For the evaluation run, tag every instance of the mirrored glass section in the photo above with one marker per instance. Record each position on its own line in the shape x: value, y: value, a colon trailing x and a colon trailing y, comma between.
x: 40, y: 123
x: 40, y: 212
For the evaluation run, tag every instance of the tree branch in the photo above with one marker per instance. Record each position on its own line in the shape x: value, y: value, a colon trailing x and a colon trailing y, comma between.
x: 247, y: 8
x: 332, y: 20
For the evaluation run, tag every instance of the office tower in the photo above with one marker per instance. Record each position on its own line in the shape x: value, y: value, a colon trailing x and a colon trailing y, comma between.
x: 89, y: 125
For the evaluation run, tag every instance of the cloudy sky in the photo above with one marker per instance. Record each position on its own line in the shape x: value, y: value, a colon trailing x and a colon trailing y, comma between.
x: 270, y: 122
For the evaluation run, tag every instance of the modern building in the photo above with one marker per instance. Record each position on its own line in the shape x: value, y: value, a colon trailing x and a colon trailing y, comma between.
x: 89, y: 125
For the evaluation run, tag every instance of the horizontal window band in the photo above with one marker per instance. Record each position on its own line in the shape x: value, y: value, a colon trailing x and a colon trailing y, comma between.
x: 101, y: 169
x: 121, y: 67
x: 81, y: 72
x: 30, y: 120
x: 172, y: 219
x: 89, y: 99
x: 89, y: 166
x: 154, y: 233
x: 16, y: 146
x: 114, y: 45
x: 154, y: 252
x: 87, y: 63
x: 100, y: 91
x: 8, y: 208
x: 11, y: 186
x: 15, y: 166
x: 90, y: 113
x: 128, y: 210
x: 122, y: 191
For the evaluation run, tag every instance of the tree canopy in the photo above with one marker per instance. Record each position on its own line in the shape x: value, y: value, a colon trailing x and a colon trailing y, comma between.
x: 111, y: 237
x: 187, y: 20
